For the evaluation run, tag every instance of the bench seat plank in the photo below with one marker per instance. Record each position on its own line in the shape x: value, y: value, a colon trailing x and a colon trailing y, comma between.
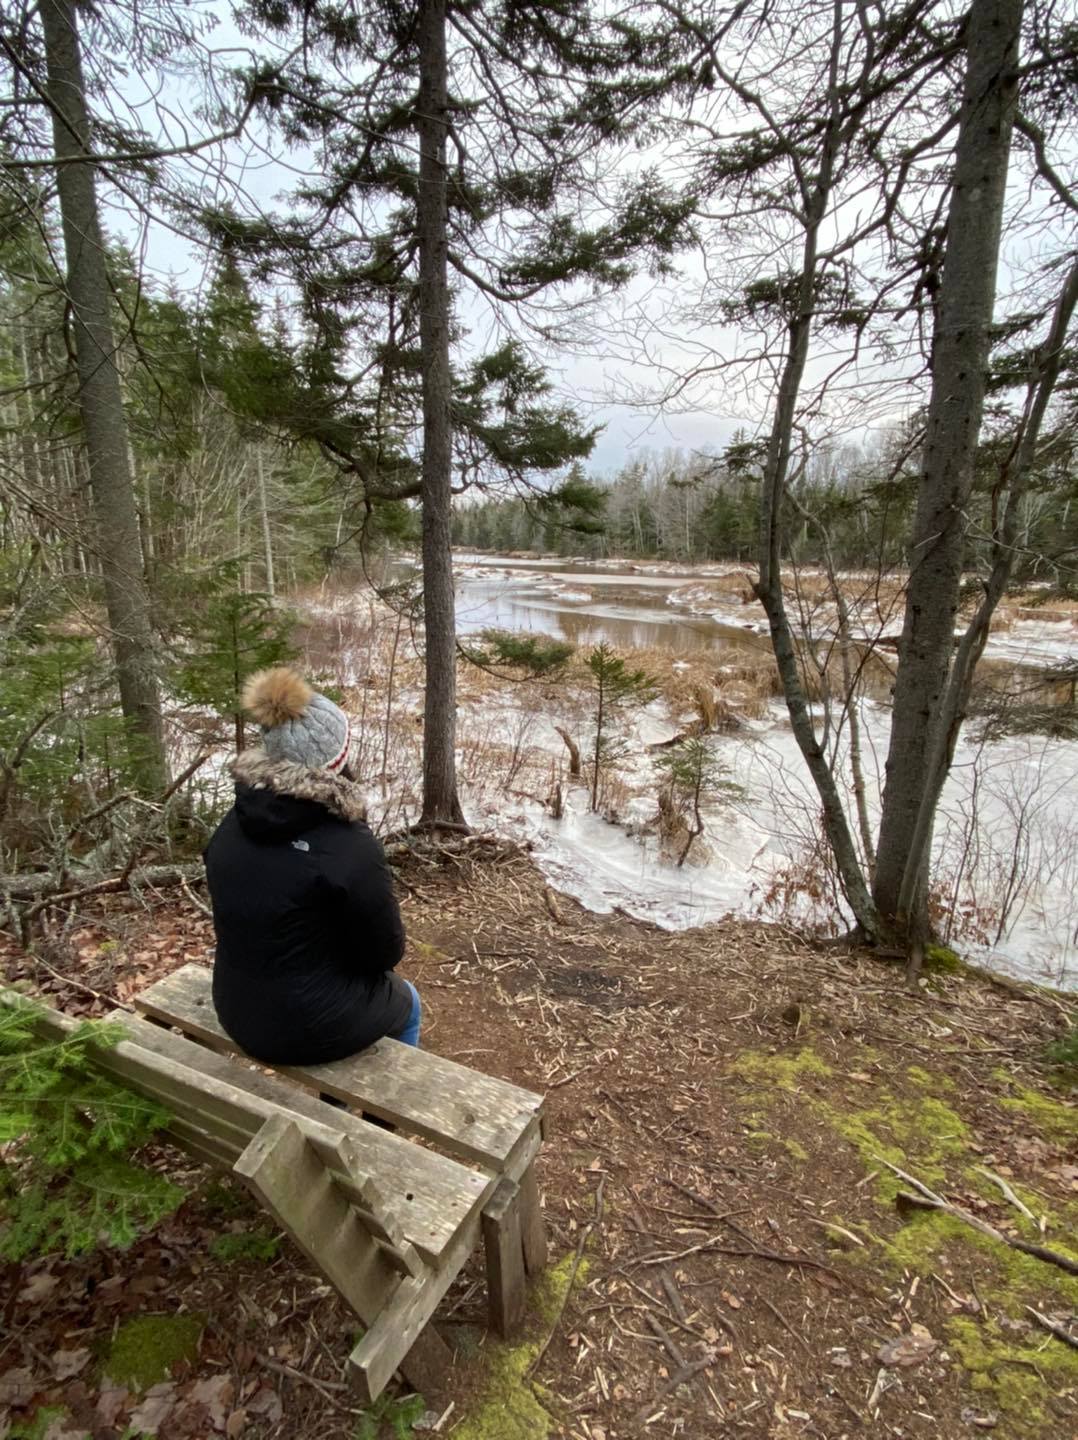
x: 474, y: 1116
x: 434, y: 1195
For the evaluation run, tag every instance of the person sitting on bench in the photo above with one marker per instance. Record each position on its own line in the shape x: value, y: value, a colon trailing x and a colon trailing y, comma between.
x: 308, y: 927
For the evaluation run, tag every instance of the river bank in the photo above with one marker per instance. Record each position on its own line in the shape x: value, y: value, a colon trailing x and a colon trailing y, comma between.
x: 1007, y: 838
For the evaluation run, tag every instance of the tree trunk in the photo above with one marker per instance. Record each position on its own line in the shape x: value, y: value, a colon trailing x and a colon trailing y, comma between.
x: 267, y: 534
x: 772, y: 495
x: 100, y: 400
x: 440, y: 802
x: 959, y: 363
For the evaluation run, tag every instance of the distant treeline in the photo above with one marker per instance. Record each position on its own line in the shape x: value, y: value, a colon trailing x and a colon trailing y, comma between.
x: 856, y: 504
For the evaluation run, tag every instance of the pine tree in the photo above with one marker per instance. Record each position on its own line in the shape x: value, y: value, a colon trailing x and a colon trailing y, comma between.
x: 615, y: 686
x: 504, y: 152
x: 694, y: 775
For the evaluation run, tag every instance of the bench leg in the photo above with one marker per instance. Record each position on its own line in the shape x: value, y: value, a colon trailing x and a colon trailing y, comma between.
x: 532, y: 1225
x: 427, y: 1366
x: 505, y: 1258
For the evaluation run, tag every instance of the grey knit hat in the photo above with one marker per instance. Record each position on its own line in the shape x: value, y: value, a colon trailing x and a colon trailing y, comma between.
x: 298, y: 724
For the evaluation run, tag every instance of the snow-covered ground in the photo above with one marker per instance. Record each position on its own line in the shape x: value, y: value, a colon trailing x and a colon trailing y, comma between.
x: 1006, y: 840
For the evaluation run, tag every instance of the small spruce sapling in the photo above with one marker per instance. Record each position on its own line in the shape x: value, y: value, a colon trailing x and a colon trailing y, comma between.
x: 616, y: 686
x: 693, y: 776
x: 232, y: 635
x: 67, y: 1132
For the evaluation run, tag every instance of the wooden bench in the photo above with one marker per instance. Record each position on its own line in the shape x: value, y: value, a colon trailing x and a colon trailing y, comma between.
x: 388, y: 1221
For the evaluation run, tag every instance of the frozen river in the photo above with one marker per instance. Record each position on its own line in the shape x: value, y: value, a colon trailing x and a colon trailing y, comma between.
x: 1007, y: 837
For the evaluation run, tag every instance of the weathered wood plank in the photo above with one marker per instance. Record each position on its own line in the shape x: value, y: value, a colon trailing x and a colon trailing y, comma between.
x: 432, y: 1195
x: 403, y: 1323
x: 532, y: 1225
x: 475, y: 1116
x: 284, y: 1172
x: 506, y: 1287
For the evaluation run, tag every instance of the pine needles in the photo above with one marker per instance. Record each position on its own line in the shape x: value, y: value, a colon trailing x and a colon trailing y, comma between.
x: 67, y: 1133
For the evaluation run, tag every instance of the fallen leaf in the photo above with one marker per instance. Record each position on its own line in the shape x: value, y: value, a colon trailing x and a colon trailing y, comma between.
x: 268, y: 1404
x: 38, y: 1287
x: 986, y: 1420
x: 909, y: 1349
x: 235, y: 1423
x: 17, y: 1388
x: 245, y: 1356
x: 66, y: 1363
x: 112, y: 1400
x: 216, y: 1393
x: 155, y: 1408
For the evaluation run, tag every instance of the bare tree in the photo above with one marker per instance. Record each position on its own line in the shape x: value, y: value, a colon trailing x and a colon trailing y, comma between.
x: 879, y: 218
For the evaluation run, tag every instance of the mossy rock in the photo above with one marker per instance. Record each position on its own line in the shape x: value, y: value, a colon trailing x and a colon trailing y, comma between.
x: 144, y: 1350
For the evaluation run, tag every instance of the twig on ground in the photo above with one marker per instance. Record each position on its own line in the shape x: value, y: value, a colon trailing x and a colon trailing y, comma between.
x: 1059, y: 1331
x: 713, y: 1247
x: 1008, y: 1193
x: 78, y: 984
x: 929, y: 1200
x: 322, y: 1386
x: 195, y: 901
x: 665, y: 1338
x: 687, y: 1372
x: 781, y: 1318
x: 592, y: 1225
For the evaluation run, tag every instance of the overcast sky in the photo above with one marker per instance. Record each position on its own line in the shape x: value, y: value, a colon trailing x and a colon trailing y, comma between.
x: 604, y: 378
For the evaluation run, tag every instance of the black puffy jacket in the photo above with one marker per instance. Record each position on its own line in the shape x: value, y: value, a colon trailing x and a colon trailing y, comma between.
x: 308, y: 928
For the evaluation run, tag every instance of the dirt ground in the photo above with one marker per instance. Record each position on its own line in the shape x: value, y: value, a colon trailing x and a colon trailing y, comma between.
x: 732, y: 1261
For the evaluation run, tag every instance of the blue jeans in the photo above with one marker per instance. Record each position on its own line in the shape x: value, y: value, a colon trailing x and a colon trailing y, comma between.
x: 410, y: 1034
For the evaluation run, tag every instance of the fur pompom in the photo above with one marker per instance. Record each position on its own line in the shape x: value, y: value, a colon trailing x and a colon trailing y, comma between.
x: 274, y: 696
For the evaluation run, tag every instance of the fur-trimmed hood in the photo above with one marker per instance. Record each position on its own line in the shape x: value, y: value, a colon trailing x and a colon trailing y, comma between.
x: 340, y: 797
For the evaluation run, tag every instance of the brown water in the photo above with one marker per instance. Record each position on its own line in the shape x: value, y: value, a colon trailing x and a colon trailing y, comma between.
x: 627, y: 610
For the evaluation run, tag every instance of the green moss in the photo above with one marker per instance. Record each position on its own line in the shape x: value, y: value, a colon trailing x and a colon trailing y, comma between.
x: 942, y: 960
x: 796, y: 1149
x: 786, y: 1071
x: 929, y: 1082
x: 37, y: 1427
x: 1052, y: 1119
x: 1017, y: 1376
x: 511, y: 1407
x: 427, y: 951
x: 145, y: 1349
x: 922, y: 1132
x: 248, y: 1245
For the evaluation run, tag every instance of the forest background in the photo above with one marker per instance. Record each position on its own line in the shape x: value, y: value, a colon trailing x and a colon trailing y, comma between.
x: 795, y: 222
